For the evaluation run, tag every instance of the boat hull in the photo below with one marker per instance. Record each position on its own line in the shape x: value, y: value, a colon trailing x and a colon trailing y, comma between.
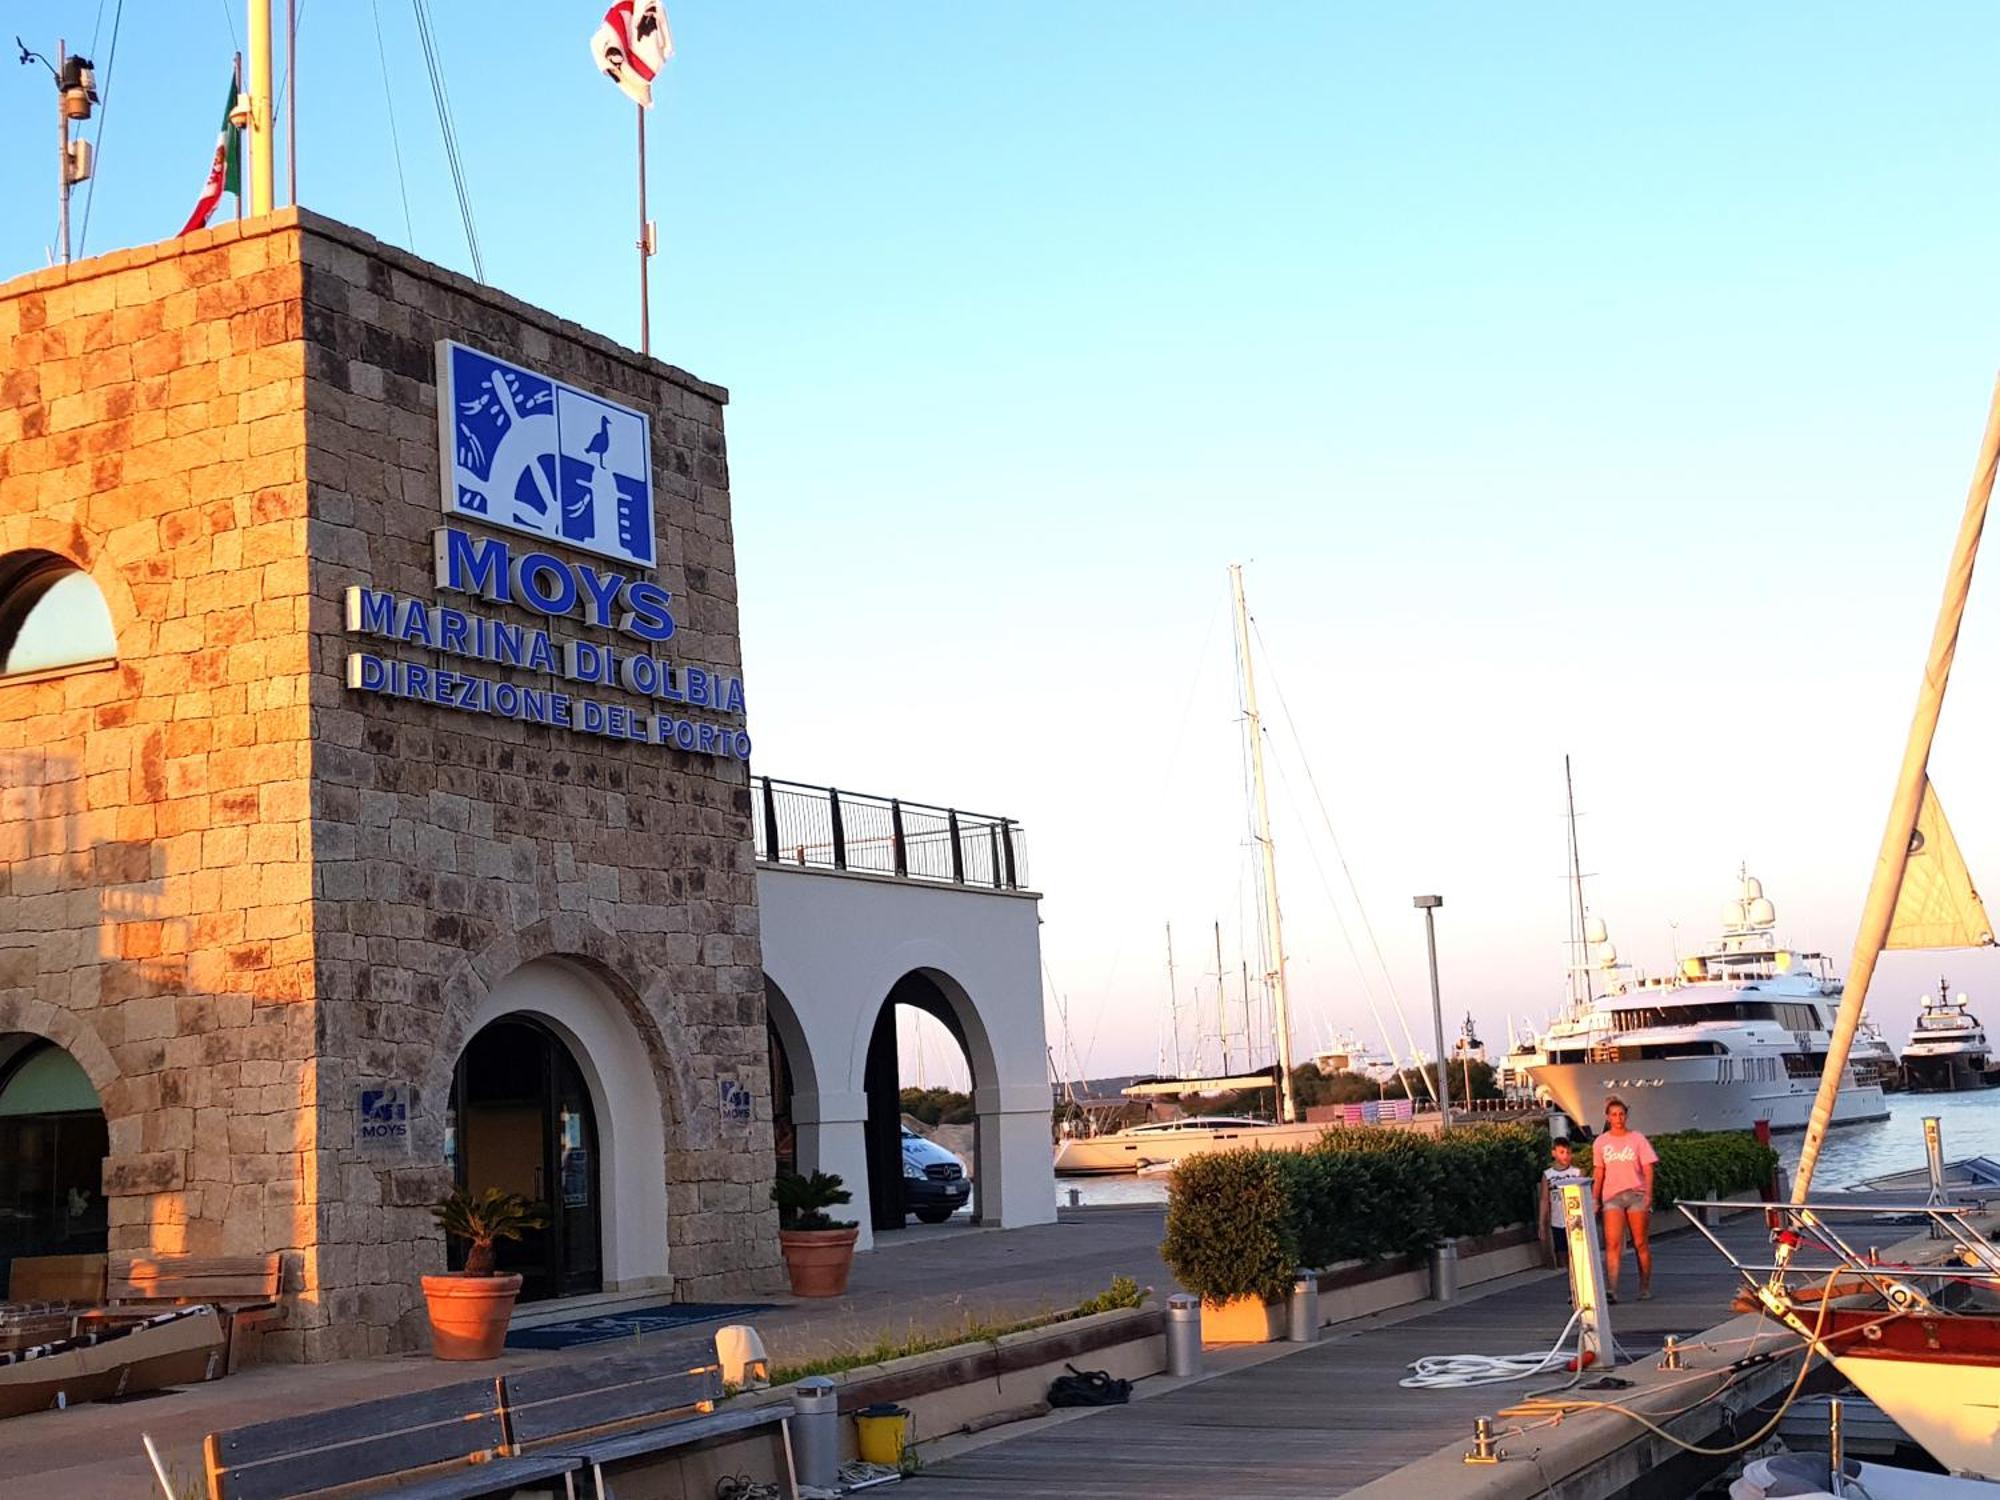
x: 1121, y: 1152
x: 1687, y: 1094
x: 1938, y: 1378
x: 1947, y: 1073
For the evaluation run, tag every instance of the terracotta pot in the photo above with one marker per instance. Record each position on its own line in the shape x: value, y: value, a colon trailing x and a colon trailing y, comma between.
x: 469, y: 1314
x: 818, y: 1260
x: 1241, y: 1320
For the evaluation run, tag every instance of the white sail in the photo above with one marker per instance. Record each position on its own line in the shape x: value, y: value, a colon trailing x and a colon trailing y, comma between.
x: 1938, y: 906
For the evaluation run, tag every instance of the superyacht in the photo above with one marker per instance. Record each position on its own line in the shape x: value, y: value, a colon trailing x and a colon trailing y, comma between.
x: 1948, y: 1049
x: 1736, y: 1036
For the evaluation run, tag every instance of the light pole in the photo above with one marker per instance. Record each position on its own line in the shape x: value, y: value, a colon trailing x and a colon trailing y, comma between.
x: 1429, y: 905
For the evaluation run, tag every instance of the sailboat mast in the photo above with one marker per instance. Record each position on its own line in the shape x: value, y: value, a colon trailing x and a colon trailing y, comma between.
x: 1893, y: 858
x: 1221, y: 1004
x: 1254, y: 727
x: 1174, y: 1004
x: 1580, y: 952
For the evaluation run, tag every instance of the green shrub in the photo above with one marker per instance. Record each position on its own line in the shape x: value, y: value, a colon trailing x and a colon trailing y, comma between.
x: 1232, y: 1225
x: 1698, y: 1164
x: 1488, y: 1176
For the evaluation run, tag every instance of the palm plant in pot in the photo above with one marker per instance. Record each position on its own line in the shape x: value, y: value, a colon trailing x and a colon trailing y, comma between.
x: 470, y: 1309
x: 819, y: 1249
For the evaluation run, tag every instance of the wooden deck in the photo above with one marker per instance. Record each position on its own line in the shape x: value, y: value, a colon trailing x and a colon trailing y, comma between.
x: 1332, y: 1418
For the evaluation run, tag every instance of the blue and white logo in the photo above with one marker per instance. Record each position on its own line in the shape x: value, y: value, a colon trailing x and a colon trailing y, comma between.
x: 527, y: 452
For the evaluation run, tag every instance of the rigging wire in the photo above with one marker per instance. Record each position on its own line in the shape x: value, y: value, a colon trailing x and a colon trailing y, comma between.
x: 103, y: 119
x: 229, y: 20
x: 395, y: 142
x: 1166, y: 777
x: 298, y: 25
x: 1367, y: 989
x: 449, y: 132
x: 1360, y: 908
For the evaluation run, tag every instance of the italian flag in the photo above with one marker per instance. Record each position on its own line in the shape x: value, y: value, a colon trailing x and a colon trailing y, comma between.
x: 225, y: 172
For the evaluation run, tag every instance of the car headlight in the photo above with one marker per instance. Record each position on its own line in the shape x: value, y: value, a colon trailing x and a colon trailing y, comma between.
x: 913, y: 1171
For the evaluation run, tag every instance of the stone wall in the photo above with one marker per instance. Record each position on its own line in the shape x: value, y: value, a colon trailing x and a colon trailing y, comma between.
x: 452, y: 848
x: 234, y: 891
x: 155, y: 844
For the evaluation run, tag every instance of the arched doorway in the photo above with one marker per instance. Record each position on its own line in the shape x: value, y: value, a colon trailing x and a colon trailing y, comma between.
x: 521, y: 1119
x: 884, y: 1075
x: 53, y: 1141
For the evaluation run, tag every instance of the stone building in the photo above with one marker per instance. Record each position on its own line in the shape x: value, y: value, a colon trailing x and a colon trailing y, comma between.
x: 361, y: 832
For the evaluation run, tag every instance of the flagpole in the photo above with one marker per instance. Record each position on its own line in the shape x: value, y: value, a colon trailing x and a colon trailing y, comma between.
x: 263, y: 163
x: 291, y: 102
x: 239, y: 180
x: 645, y: 250
x: 62, y: 130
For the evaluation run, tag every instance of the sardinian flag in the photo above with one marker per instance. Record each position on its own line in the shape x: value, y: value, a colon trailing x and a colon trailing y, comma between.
x: 632, y: 46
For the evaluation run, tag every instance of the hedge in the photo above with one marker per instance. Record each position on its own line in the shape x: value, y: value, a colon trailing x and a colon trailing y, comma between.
x: 1240, y: 1223
x: 1703, y: 1164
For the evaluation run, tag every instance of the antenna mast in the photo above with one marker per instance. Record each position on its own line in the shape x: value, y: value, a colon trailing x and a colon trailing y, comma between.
x: 1254, y: 727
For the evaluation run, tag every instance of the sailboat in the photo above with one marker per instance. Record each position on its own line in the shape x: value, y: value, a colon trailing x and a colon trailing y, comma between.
x: 1932, y: 1365
x: 1164, y: 1142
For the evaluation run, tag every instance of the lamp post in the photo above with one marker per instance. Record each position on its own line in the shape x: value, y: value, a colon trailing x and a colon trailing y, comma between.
x: 1429, y: 905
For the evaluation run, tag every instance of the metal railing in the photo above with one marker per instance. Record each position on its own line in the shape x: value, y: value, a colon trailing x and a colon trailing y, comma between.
x: 824, y: 828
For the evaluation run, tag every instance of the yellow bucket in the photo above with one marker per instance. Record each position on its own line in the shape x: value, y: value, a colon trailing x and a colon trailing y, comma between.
x: 881, y: 1431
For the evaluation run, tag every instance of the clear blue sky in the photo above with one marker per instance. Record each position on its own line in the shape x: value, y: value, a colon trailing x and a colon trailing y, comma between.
x: 1570, y: 378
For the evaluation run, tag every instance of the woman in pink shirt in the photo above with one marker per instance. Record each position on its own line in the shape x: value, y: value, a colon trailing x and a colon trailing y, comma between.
x: 1624, y: 1160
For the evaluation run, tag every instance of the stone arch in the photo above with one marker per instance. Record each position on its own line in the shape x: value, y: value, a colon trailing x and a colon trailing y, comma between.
x: 81, y: 1041
x: 578, y: 1007
x: 78, y: 545
x: 54, y: 617
x: 615, y: 965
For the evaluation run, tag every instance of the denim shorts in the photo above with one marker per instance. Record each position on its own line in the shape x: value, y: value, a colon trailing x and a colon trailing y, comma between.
x: 1631, y: 1201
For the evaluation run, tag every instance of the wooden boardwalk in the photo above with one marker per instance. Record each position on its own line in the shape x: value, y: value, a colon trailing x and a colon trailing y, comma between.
x: 1332, y: 1418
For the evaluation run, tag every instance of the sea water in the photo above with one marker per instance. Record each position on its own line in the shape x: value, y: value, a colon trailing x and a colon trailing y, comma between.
x: 1970, y: 1123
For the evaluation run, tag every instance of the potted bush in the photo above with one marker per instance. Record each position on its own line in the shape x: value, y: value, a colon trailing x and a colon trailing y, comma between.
x: 470, y: 1309
x: 819, y: 1249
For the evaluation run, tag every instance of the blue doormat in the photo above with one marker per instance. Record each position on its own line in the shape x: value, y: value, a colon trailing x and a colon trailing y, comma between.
x: 601, y: 1328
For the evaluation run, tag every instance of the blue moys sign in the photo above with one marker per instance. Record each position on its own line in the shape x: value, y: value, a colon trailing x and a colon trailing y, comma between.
x: 527, y: 452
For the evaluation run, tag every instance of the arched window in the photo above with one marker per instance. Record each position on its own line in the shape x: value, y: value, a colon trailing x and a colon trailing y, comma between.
x: 52, y: 617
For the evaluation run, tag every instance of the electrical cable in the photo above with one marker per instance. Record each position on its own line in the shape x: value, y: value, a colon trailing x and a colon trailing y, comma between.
x: 395, y: 142
x: 103, y: 119
x: 441, y: 96
x: 1811, y: 1347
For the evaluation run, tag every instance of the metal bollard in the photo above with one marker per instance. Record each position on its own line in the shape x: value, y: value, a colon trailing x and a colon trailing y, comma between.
x: 1183, y: 1336
x: 1444, y: 1271
x: 1303, y: 1320
x: 1076, y: 1197
x: 816, y: 1432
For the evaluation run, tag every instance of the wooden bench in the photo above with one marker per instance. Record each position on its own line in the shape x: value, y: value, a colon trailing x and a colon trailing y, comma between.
x: 628, y: 1407
x: 243, y: 1288
x: 57, y: 1278
x: 449, y: 1443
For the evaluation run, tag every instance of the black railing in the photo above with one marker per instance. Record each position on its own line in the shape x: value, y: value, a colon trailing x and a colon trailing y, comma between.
x: 824, y: 828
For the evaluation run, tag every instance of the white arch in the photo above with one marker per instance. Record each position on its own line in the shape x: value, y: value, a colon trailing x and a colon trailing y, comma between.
x: 631, y: 1139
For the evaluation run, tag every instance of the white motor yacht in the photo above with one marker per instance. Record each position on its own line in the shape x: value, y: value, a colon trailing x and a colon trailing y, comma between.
x: 1948, y: 1049
x: 1168, y: 1141
x: 1739, y: 1034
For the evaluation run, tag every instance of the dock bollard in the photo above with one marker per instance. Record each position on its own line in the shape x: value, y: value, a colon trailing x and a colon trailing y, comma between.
x: 1303, y: 1323
x: 1444, y: 1271
x: 1076, y: 1197
x: 1183, y: 1335
x: 816, y: 1432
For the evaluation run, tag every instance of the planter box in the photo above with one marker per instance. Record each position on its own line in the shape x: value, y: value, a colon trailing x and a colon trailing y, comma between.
x: 944, y: 1390
x: 1242, y: 1320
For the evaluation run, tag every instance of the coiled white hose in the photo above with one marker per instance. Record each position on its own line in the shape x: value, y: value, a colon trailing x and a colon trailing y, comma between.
x: 1451, y: 1372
